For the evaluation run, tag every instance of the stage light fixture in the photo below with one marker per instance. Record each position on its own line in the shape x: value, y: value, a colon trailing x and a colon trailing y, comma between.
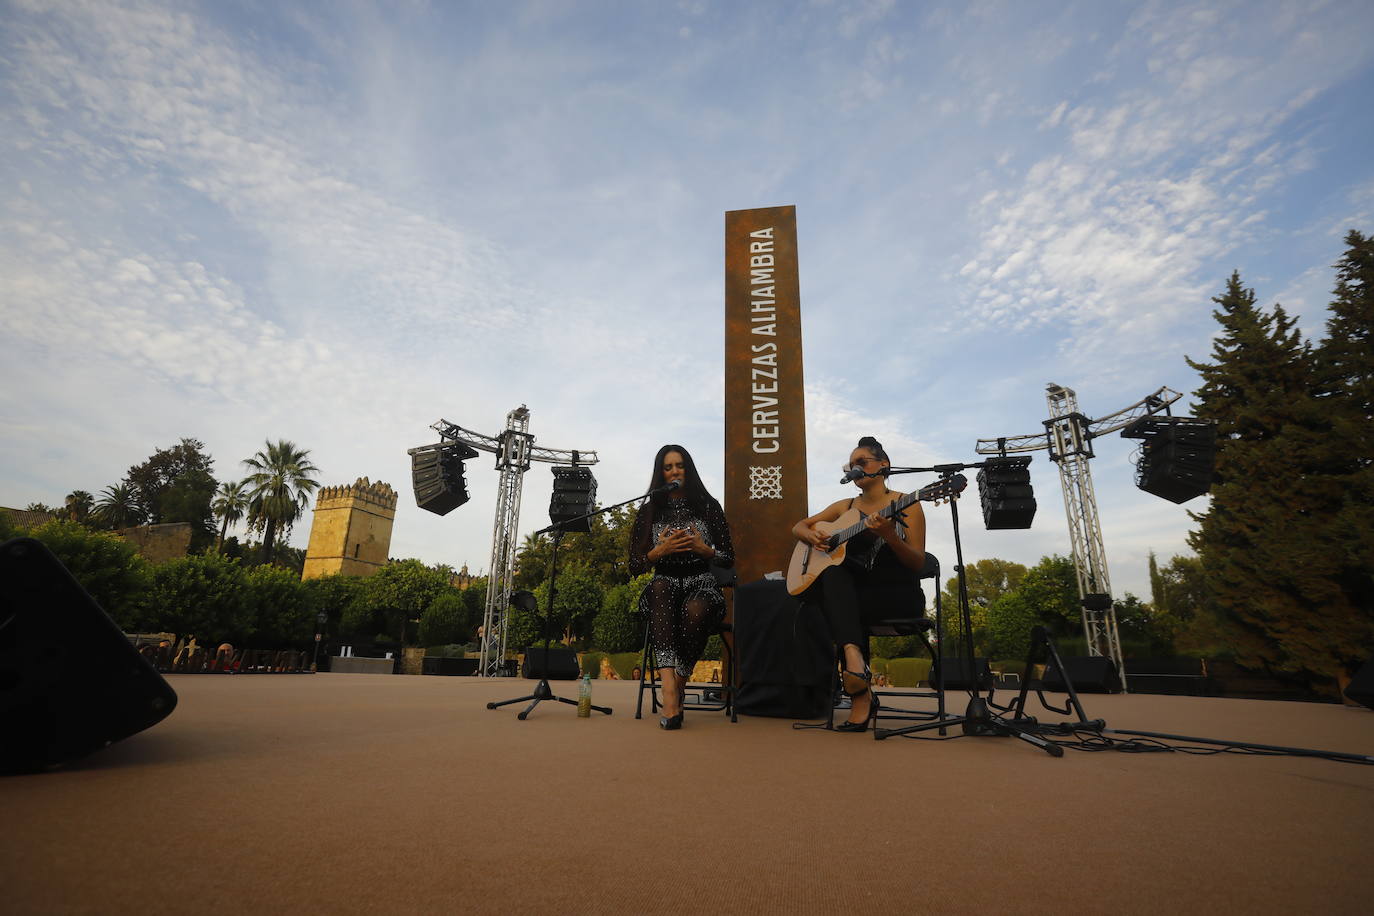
x: 1176, y: 456
x: 1004, y: 488
x: 437, y: 476
x: 574, y: 494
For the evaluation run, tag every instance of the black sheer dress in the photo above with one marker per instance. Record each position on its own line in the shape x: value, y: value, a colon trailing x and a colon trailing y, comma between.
x: 683, y: 601
x: 869, y: 583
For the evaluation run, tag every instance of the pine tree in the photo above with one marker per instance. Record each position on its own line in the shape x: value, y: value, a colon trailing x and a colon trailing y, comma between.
x: 1270, y: 559
x: 1345, y: 373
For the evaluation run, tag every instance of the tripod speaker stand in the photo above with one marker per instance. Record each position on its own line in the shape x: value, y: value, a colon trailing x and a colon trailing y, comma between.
x: 977, y: 719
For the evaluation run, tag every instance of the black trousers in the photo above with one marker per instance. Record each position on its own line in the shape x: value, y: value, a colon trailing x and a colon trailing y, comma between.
x: 852, y: 598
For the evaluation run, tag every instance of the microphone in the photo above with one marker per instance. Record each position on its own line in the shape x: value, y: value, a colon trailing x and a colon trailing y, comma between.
x: 852, y: 474
x: 672, y: 485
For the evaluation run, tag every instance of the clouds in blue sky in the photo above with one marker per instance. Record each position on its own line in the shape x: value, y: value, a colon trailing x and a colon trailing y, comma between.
x: 337, y: 223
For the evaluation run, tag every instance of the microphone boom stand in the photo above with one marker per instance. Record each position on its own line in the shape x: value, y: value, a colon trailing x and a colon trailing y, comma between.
x: 542, y: 690
x: 977, y: 719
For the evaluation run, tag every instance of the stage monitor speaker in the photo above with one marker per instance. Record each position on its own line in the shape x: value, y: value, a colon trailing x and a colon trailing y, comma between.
x: 1087, y: 673
x: 958, y: 676
x: 434, y: 664
x: 1361, y: 686
x: 562, y: 665
x: 437, y: 476
x: 70, y: 683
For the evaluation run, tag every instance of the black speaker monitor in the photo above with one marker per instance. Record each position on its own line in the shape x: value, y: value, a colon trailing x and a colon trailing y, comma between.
x: 958, y: 674
x: 1361, y: 686
x: 1087, y: 673
x: 562, y: 665
x: 70, y: 682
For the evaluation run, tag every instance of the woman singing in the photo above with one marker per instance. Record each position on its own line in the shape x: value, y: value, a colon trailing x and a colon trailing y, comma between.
x: 881, y: 571
x: 679, y: 534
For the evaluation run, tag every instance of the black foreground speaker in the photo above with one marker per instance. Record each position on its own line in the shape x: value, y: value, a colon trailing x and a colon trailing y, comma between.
x: 1088, y: 673
x: 958, y: 675
x: 1361, y: 687
x: 70, y: 683
x: 562, y: 665
x: 1005, y: 491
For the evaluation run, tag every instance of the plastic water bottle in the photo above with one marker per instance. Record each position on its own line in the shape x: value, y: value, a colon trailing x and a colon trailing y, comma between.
x: 584, y: 697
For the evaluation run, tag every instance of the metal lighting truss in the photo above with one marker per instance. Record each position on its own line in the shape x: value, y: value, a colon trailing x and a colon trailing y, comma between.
x: 514, y: 450
x: 1068, y: 436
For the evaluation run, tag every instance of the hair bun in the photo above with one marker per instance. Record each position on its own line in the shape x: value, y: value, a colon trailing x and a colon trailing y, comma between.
x: 870, y: 442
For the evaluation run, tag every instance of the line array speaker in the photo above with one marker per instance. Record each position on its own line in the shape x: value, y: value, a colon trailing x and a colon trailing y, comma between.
x: 437, y: 476
x: 1004, y: 489
x: 574, y: 494
x: 1176, y: 457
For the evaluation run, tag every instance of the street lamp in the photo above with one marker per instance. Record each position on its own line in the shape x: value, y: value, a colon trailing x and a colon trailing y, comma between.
x: 320, y: 620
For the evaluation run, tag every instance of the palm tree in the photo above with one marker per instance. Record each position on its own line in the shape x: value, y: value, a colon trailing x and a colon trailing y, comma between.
x: 118, y: 506
x: 78, y: 505
x: 280, y: 488
x: 229, y: 505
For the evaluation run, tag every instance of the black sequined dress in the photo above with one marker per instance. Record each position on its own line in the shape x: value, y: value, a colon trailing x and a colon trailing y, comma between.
x: 683, y: 601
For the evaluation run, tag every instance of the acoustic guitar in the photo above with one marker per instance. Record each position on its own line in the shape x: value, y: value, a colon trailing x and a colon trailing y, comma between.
x: 809, y: 562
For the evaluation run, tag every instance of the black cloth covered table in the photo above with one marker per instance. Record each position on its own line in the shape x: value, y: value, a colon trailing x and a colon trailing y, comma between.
x: 786, y: 658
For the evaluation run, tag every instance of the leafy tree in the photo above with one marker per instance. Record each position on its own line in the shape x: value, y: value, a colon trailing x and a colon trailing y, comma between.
x: 988, y: 580
x: 576, y: 604
x: 281, y: 608
x: 78, y: 505
x: 206, y: 596
x: 8, y: 529
x: 1280, y: 572
x: 107, y: 567
x: 1010, y: 620
x: 1141, y: 628
x: 229, y: 506
x: 152, y: 479
x: 187, y: 499
x: 1051, y: 588
x: 119, y: 507
x: 39, y: 507
x: 396, y: 594
x: 332, y: 595
x: 617, y: 628
x: 446, y: 621
x: 604, y: 551
x: 279, y: 489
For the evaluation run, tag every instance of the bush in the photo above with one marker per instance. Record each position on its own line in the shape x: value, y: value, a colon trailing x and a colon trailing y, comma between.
x: 617, y: 628
x: 445, y: 620
x: 624, y: 663
x: 280, y: 608
x: 452, y: 650
x: 878, y: 665
x: 1010, y: 666
x: 908, y: 672
x: 206, y: 596
x: 591, y: 664
x: 107, y: 567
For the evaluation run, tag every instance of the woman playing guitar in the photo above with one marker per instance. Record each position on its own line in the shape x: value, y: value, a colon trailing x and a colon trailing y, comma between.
x: 880, y: 569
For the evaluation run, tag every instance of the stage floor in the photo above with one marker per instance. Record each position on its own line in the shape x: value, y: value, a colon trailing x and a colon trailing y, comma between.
x: 356, y: 793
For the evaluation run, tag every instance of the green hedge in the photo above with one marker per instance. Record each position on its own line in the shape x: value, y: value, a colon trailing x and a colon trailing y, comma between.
x: 591, y: 664
x: 624, y: 663
x: 908, y: 672
x: 1010, y: 667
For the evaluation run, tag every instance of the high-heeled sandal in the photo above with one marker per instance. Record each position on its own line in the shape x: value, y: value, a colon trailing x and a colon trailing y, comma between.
x: 872, y: 716
x: 670, y: 723
x: 854, y: 684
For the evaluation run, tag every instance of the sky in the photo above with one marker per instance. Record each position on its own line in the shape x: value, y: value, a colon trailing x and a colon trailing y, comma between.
x: 339, y: 223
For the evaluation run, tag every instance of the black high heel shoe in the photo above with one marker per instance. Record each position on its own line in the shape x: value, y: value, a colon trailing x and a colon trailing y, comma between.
x: 872, y: 716
x: 670, y: 723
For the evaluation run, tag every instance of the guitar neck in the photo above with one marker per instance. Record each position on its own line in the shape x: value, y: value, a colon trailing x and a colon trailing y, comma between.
x: 889, y: 510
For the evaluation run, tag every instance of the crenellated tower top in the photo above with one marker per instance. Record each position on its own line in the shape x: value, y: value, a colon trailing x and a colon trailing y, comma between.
x: 379, y: 493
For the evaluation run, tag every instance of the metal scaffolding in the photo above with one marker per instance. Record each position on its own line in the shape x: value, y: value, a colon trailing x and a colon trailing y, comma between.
x: 1068, y: 436
x: 514, y: 450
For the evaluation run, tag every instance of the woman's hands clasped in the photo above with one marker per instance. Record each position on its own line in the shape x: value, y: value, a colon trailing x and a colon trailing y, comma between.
x: 681, y: 540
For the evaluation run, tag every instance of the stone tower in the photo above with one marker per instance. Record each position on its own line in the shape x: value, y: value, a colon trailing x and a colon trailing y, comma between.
x: 351, y: 533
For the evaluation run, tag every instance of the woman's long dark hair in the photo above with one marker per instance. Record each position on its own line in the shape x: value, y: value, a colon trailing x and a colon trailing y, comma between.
x: 694, y: 489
